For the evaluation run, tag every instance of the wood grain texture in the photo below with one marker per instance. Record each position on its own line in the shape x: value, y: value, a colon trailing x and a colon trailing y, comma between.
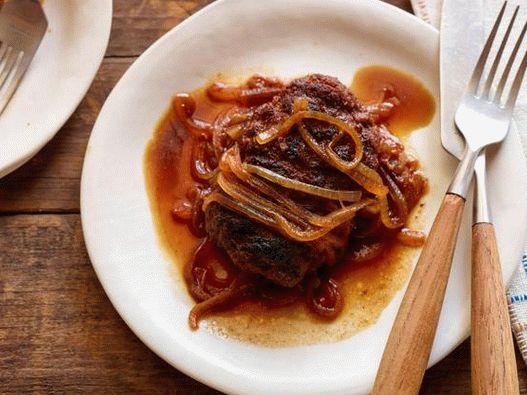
x: 492, y: 349
x: 138, y: 23
x: 60, y: 334
x: 408, y: 348
x: 58, y: 331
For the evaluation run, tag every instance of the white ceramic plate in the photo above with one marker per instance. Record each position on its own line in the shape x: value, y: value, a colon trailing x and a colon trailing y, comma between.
x: 57, y: 79
x: 286, y: 39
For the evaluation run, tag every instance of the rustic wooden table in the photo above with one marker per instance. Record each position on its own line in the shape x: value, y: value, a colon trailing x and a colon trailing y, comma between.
x: 58, y: 331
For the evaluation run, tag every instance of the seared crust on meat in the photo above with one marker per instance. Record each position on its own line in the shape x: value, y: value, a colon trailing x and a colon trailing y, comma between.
x: 258, y: 249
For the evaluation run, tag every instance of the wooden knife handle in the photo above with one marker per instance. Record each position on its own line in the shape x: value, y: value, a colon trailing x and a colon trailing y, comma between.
x: 407, y: 352
x: 492, y: 351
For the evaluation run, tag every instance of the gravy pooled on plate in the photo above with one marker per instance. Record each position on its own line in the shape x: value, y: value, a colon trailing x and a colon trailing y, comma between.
x: 288, y: 205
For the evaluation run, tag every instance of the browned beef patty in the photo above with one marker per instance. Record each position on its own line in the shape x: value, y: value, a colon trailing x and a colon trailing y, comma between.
x: 258, y: 249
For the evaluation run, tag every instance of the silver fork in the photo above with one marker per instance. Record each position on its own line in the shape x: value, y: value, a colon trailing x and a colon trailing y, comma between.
x: 483, y: 118
x: 22, y: 27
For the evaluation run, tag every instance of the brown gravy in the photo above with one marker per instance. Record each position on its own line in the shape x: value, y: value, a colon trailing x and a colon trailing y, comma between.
x: 416, y: 104
x: 367, y: 288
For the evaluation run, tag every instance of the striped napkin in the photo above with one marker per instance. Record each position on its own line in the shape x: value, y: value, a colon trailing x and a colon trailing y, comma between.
x: 430, y: 11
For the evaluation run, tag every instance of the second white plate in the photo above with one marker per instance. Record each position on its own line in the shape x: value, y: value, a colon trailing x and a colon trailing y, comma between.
x: 57, y: 78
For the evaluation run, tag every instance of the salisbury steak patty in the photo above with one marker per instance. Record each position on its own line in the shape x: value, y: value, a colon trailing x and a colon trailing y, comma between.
x: 258, y: 249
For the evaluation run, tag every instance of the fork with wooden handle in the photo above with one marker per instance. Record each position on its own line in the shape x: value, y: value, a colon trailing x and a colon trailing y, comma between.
x: 493, y: 363
x: 22, y: 27
x: 483, y: 120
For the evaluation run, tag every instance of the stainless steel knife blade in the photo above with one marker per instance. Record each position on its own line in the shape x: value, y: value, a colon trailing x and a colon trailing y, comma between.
x: 462, y: 36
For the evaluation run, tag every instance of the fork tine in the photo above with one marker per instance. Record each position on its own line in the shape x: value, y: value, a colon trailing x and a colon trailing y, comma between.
x: 4, y: 57
x: 507, y: 70
x: 516, y: 85
x: 3, y: 50
x: 8, y: 65
x: 478, y: 70
x: 12, y: 81
x: 497, y: 59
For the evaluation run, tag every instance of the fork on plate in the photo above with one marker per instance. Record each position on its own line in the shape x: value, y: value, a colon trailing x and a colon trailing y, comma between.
x: 22, y: 27
x: 483, y: 118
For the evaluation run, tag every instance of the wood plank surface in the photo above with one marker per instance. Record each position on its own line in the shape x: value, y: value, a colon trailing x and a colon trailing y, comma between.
x: 58, y: 331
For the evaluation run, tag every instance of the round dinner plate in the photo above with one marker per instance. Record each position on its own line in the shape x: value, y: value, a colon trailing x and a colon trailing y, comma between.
x: 284, y: 39
x: 57, y: 78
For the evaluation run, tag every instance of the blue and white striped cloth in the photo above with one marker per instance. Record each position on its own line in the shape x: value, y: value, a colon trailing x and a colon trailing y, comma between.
x: 430, y: 11
x: 517, y: 295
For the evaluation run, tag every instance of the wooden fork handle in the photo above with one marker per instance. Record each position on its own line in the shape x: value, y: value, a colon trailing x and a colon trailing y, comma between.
x: 493, y: 362
x: 407, y: 352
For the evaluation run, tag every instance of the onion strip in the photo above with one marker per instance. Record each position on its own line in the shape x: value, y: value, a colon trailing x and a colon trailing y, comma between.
x: 244, y: 195
x: 272, y: 134
x: 295, y: 233
x: 275, y: 209
x: 386, y: 218
x: 184, y: 107
x: 366, y: 177
x: 248, y: 211
x: 400, y: 202
x: 236, y: 290
x: 369, y: 179
x: 345, y: 165
x: 273, y: 215
x: 201, y: 168
x: 232, y: 93
x: 346, y: 196
x: 411, y: 238
x: 232, y: 156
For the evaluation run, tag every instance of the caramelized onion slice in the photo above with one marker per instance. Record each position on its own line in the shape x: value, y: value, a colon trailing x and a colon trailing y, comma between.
x: 344, y: 214
x: 247, y: 210
x: 367, y: 250
x: 366, y: 177
x: 380, y: 111
x: 231, y: 295
x: 342, y: 195
x: 210, y: 272
x: 268, y: 213
x: 327, y: 223
x: 331, y: 220
x: 369, y: 179
x: 202, y: 152
x: 343, y: 164
x: 247, y: 96
x: 236, y: 131
x: 184, y: 107
x: 296, y: 233
x: 324, y: 298
x: 386, y: 217
x: 411, y: 238
x: 273, y: 220
x: 223, y: 92
x: 239, y: 117
x: 244, y: 195
x: 399, y: 200
x: 232, y: 159
x: 182, y: 210
x: 273, y: 133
